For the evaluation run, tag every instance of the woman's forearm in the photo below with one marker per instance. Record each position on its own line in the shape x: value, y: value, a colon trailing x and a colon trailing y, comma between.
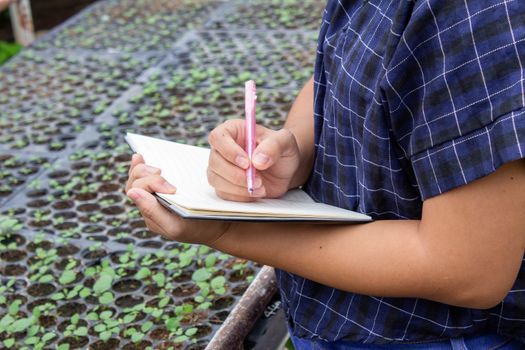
x: 384, y: 258
x: 300, y: 122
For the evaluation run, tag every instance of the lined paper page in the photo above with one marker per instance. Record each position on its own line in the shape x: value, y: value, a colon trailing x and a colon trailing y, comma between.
x: 184, y: 166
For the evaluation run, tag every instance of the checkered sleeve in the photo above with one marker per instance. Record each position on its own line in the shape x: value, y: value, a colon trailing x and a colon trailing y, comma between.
x: 454, y: 89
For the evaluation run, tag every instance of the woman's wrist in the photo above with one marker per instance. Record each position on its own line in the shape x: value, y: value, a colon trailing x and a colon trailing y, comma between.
x: 225, y: 241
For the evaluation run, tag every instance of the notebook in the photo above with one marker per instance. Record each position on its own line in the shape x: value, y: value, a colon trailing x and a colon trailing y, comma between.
x: 184, y: 166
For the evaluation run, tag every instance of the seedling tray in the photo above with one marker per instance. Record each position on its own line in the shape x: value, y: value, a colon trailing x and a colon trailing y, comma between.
x: 99, y: 297
x: 274, y: 59
x: 78, y: 267
x: 48, y: 98
x: 78, y: 204
x: 130, y: 26
x: 187, y: 115
x: 17, y: 172
x: 269, y: 14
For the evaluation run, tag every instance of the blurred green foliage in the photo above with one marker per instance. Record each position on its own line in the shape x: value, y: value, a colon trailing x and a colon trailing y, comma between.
x: 7, y: 50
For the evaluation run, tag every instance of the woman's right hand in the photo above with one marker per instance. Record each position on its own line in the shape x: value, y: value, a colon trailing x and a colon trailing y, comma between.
x: 276, y: 160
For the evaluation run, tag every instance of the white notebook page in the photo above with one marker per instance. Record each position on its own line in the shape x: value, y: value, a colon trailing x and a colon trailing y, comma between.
x: 184, y: 166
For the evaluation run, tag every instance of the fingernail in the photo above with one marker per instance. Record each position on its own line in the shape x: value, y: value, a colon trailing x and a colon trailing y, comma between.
x: 242, y: 162
x: 151, y: 170
x: 261, y: 158
x: 257, y: 182
x: 134, y: 195
x: 168, y: 187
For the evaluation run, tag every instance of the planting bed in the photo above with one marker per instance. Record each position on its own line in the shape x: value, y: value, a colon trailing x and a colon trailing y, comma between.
x: 77, y: 231
x: 16, y: 171
x: 47, y: 99
x: 89, y: 295
x: 132, y: 25
x: 276, y: 59
x: 270, y: 14
x: 188, y: 114
x: 78, y: 267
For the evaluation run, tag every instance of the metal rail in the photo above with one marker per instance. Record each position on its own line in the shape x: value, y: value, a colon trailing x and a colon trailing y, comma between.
x: 241, y: 319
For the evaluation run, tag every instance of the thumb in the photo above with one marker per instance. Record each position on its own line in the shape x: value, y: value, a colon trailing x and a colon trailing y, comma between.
x: 272, y: 147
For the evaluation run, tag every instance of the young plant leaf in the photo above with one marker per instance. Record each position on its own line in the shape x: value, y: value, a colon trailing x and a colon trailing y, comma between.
x: 104, y: 336
x: 160, y: 278
x: 164, y: 301
x: 218, y: 282
x: 201, y: 275
x: 67, y: 277
x: 180, y: 339
x: 8, y: 343
x: 13, y: 308
x: 146, y: 326
x: 75, y: 318
x: 20, y: 325
x: 103, y: 283
x: 142, y: 273
x: 191, y: 331
x: 172, y: 324
x: 105, y: 315
x: 136, y: 337
x: 48, y: 336
x: 106, y: 298
x: 81, y: 331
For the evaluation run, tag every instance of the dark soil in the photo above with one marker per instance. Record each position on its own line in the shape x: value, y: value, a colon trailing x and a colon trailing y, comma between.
x: 197, y: 346
x: 75, y: 342
x: 219, y: 317
x: 170, y: 345
x: 47, y: 321
x: 63, y: 205
x: 13, y: 255
x: 12, y: 270
x: 159, y: 334
x: 69, y: 249
x: 41, y: 289
x: 137, y: 346
x: 46, y: 245
x: 13, y: 238
x: 88, y: 207
x: 110, y: 344
x: 222, y: 303
x: 95, y: 254
x: 129, y: 300
x: 127, y: 285
x: 202, y: 331
x: 185, y: 289
x: 69, y: 309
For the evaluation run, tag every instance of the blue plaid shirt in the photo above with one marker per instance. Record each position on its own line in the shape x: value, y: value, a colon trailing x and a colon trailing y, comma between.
x: 412, y: 99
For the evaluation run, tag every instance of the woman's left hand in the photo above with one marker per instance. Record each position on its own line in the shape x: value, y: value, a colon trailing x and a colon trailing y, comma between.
x: 142, y: 181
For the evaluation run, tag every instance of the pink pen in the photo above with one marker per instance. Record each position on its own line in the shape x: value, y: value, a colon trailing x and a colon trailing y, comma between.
x: 249, y: 134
